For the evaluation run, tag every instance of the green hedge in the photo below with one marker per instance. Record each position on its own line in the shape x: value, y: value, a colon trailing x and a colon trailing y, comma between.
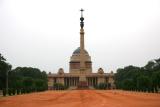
x: 103, y: 86
x: 59, y: 86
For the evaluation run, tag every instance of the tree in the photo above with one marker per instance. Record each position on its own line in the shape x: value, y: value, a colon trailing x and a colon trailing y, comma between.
x: 156, y: 80
x: 4, y: 69
x: 27, y: 82
x: 127, y: 74
x: 21, y: 79
x: 143, y: 83
x: 40, y: 85
x: 128, y: 84
x: 149, y: 65
x: 145, y: 78
x: 28, y: 78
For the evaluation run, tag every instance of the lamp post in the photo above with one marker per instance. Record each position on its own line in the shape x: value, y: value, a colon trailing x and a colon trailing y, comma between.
x: 7, y: 82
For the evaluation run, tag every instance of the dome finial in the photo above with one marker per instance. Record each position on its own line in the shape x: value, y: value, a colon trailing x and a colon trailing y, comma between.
x: 81, y: 19
x: 82, y: 12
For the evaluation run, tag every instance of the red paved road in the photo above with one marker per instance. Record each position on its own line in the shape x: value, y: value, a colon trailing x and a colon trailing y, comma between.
x: 82, y: 98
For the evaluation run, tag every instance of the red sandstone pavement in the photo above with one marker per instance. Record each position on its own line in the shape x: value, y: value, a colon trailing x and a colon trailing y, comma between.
x: 83, y: 98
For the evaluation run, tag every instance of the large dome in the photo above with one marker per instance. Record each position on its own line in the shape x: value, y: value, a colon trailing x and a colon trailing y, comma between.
x: 77, y: 51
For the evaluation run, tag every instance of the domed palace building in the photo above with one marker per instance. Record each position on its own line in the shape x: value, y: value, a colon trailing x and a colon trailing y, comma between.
x: 80, y: 69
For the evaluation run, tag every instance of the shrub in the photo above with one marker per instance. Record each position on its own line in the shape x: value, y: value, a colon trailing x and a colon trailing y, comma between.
x: 4, y: 92
x: 23, y: 90
x: 13, y: 91
x: 10, y: 91
x: 59, y: 86
x: 18, y: 91
x: 101, y: 86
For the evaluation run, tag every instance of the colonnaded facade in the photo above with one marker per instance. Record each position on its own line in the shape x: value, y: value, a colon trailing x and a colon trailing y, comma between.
x: 80, y: 69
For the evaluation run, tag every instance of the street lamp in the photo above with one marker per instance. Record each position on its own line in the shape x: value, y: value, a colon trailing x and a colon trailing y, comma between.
x: 7, y: 81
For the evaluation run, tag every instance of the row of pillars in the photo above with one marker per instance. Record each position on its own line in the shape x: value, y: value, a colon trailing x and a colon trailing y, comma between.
x: 92, y: 81
x: 71, y: 81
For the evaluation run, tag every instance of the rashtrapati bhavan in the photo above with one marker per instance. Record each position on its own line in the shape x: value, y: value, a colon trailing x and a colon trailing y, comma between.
x: 80, y: 69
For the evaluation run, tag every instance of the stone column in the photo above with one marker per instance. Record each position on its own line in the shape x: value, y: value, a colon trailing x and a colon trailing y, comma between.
x: 93, y: 81
x: 69, y: 81
x: 82, y: 52
x: 74, y: 81
x: 77, y: 80
x: 88, y: 81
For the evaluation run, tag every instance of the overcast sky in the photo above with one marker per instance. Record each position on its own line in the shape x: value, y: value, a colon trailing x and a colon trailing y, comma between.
x: 44, y: 33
